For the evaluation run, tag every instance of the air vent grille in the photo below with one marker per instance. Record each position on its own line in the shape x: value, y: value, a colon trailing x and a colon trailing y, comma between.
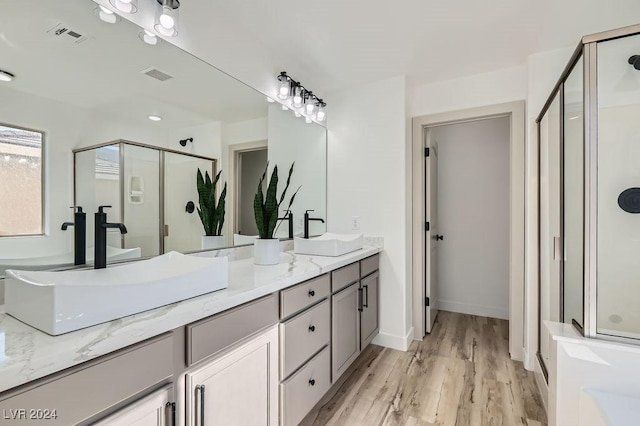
x: 63, y: 33
x: 157, y: 74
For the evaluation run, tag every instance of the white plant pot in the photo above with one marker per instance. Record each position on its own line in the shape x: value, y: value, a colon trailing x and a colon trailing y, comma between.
x: 266, y: 252
x: 212, y: 242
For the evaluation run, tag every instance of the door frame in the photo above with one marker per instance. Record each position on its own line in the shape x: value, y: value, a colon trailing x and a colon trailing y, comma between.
x: 517, y: 169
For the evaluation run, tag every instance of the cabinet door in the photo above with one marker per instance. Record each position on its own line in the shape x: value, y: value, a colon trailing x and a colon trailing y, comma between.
x: 239, y: 387
x: 345, y: 326
x: 369, y: 317
x: 151, y: 410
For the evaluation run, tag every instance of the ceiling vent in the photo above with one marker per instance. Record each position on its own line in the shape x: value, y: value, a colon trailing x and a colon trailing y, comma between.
x: 63, y: 33
x: 157, y: 74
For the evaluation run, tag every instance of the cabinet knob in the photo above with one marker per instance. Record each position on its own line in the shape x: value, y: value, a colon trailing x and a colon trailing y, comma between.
x: 312, y: 382
x: 312, y: 293
x: 312, y: 328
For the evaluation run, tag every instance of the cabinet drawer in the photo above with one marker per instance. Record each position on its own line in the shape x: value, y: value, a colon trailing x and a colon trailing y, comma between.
x: 340, y: 278
x: 302, y: 336
x: 208, y: 336
x: 83, y: 394
x: 306, y: 294
x: 304, y: 389
x: 369, y: 265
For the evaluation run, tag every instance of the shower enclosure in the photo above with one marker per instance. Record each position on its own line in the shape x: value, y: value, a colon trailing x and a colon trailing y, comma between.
x: 589, y: 192
x: 149, y: 189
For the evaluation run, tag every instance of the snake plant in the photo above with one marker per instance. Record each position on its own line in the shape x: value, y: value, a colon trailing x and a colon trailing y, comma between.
x: 266, y: 206
x: 211, y: 214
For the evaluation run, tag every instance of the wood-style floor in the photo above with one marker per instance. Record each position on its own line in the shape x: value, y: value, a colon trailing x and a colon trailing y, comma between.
x: 460, y: 374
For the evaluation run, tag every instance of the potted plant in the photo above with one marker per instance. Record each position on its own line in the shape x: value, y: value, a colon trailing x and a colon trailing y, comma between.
x: 211, y: 213
x: 266, y: 206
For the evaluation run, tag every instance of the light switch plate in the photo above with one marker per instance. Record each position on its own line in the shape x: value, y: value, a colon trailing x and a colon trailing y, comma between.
x: 355, y: 223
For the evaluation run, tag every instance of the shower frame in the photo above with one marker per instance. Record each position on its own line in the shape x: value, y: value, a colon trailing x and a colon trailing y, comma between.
x: 121, y: 143
x: 586, y: 49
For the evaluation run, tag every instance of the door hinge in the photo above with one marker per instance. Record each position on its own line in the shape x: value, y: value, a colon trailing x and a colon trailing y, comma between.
x: 427, y: 301
x: 426, y: 152
x: 427, y: 226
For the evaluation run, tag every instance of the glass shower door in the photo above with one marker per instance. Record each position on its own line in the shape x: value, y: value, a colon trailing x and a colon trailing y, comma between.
x: 618, y: 189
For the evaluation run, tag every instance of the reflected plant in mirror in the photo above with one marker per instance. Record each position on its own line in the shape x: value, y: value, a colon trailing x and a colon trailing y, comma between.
x: 211, y: 212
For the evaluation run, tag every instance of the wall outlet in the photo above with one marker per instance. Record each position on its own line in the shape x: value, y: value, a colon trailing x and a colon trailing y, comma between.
x: 355, y: 223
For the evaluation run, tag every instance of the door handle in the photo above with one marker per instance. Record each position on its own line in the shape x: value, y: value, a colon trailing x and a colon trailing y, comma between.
x: 200, y: 388
x: 366, y: 296
x: 171, y: 407
x: 439, y: 237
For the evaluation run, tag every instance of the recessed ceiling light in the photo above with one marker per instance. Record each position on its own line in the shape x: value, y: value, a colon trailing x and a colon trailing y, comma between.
x: 155, y: 118
x: 106, y: 15
x: 148, y: 37
x: 6, y: 76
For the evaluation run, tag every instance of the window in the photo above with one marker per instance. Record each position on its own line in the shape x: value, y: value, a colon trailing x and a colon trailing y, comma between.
x: 20, y: 182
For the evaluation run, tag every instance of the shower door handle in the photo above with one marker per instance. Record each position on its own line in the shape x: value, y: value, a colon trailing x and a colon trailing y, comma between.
x: 556, y: 249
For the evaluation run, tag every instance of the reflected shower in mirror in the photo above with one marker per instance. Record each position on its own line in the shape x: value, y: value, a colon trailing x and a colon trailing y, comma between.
x: 102, y: 85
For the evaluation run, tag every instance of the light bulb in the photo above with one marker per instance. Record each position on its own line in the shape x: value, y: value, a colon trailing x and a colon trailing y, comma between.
x: 320, y: 115
x: 283, y: 91
x: 126, y: 6
x: 148, y: 37
x: 297, y: 97
x: 167, y: 20
x: 309, y: 107
x: 106, y: 15
x: 105, y: 10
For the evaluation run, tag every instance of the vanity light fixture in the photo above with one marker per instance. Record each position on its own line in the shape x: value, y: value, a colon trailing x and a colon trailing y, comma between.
x: 106, y: 15
x: 166, y: 22
x: 155, y: 118
x: 303, y: 101
x: 148, y: 37
x: 6, y: 76
x: 125, y: 6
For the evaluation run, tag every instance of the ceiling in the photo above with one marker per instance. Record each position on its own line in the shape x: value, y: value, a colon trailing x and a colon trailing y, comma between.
x: 336, y: 43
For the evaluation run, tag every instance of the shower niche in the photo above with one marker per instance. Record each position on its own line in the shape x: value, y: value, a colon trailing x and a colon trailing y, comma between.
x: 589, y: 192
x: 148, y: 189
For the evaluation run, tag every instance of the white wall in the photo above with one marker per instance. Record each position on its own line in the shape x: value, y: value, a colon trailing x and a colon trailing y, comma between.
x: 473, y: 216
x: 367, y: 178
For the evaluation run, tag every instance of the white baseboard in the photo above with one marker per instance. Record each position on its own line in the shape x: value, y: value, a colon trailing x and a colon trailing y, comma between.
x: 472, y: 309
x: 393, y: 341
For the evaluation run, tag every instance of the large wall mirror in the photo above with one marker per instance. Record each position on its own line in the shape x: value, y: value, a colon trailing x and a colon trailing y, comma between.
x: 75, y: 129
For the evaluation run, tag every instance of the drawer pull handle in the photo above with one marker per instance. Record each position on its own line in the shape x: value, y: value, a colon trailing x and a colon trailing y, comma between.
x: 312, y: 328
x: 366, y: 297
x: 312, y: 293
x: 312, y: 382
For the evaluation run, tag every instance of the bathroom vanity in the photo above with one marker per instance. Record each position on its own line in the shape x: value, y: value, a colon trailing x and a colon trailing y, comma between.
x: 264, y: 350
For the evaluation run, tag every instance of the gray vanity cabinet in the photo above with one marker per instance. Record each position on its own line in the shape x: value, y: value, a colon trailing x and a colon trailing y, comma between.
x: 369, y: 308
x: 345, y: 340
x: 155, y: 409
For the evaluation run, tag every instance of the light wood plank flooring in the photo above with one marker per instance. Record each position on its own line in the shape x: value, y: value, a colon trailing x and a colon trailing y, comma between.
x: 460, y: 374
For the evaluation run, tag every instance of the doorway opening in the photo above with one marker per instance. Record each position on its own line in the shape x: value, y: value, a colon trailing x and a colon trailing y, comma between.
x: 468, y: 217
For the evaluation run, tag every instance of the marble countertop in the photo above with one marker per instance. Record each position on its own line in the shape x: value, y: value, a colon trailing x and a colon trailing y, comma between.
x: 27, y: 354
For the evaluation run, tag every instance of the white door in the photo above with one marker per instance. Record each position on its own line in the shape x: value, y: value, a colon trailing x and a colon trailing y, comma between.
x: 431, y: 237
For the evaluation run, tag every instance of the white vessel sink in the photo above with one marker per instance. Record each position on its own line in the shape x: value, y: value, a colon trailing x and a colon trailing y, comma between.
x: 328, y: 244
x: 60, y: 302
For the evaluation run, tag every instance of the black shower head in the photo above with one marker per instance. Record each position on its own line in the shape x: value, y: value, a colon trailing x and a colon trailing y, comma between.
x: 183, y: 142
x: 635, y: 61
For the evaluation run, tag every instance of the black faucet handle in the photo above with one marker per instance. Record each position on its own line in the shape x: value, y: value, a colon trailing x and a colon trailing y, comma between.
x: 307, y: 211
x: 101, y: 208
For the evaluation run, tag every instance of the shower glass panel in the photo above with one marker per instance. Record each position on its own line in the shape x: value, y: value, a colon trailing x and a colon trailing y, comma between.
x: 549, y: 223
x: 183, y: 230
x: 618, y: 188
x: 573, y: 197
x: 141, y: 203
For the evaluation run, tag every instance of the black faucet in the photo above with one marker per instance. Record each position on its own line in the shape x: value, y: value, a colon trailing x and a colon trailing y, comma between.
x: 101, y: 226
x: 288, y: 216
x: 79, y: 235
x: 306, y: 222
